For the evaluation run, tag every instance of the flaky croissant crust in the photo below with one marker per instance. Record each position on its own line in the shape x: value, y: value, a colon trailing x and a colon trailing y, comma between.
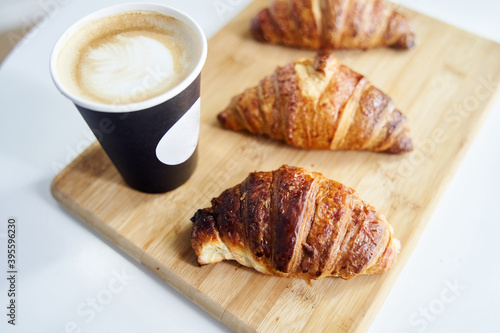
x: 320, y: 104
x: 294, y: 223
x: 333, y: 24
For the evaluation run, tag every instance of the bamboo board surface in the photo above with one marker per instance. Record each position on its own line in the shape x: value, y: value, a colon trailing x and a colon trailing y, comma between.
x: 445, y: 86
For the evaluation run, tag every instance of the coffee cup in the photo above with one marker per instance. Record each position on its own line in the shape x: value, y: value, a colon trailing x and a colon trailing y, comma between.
x: 133, y: 72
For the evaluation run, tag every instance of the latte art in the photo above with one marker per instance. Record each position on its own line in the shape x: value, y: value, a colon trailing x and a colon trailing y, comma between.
x: 128, y: 57
x: 121, y: 67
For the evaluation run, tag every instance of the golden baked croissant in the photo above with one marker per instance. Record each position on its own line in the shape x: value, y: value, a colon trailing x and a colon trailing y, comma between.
x: 294, y: 223
x: 320, y: 104
x: 333, y: 24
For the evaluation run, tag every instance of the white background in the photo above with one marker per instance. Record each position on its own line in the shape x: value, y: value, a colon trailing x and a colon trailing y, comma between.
x: 63, y: 264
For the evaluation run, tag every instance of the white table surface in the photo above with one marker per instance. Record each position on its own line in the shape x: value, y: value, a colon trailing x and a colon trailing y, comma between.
x: 67, y: 272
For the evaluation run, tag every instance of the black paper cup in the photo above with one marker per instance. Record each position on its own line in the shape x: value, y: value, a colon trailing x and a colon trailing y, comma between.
x: 152, y: 143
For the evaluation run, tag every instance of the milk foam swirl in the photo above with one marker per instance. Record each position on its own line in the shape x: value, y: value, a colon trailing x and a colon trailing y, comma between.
x: 126, y: 65
x: 128, y: 57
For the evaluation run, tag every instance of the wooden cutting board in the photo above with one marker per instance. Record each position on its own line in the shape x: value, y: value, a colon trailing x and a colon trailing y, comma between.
x: 445, y: 86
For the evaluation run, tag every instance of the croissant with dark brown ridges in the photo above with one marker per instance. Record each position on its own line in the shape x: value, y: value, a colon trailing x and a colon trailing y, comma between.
x: 320, y: 104
x: 333, y: 24
x: 294, y: 223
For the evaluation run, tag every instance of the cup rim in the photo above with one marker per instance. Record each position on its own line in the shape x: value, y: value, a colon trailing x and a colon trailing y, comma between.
x: 121, y: 8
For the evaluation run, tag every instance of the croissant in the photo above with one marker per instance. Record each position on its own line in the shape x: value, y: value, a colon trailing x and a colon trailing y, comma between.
x: 320, y: 104
x: 294, y: 223
x: 333, y: 24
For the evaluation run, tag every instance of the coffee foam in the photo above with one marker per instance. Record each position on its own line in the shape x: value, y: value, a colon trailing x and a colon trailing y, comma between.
x: 127, y: 57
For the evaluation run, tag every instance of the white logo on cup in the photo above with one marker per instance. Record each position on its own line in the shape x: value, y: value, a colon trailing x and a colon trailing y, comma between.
x: 179, y: 143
